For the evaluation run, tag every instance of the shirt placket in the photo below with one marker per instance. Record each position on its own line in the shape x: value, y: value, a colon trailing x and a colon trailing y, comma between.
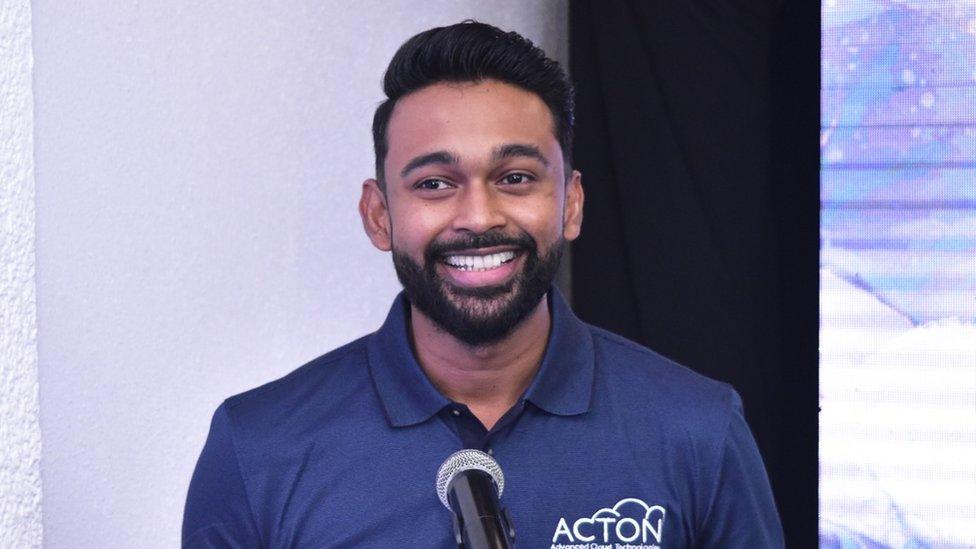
x: 470, y: 430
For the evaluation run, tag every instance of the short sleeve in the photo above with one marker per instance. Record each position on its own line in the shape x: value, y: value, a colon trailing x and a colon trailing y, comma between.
x: 217, y: 512
x: 742, y: 512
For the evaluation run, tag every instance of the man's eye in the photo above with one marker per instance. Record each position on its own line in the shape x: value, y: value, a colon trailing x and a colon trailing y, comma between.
x: 431, y: 185
x: 516, y: 178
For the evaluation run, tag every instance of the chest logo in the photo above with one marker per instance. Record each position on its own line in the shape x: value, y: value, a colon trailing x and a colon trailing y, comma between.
x: 629, y: 524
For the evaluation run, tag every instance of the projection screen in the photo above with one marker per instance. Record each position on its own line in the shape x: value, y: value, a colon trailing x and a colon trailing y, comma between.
x: 898, y: 274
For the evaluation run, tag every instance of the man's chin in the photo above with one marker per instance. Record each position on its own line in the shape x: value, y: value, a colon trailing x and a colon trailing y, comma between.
x: 494, y: 292
x: 479, y: 321
x: 480, y: 303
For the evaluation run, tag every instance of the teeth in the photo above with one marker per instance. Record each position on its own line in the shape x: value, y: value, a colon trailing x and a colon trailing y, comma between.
x: 479, y: 262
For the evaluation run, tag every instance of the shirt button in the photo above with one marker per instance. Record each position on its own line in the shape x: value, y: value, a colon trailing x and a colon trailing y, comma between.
x: 456, y: 412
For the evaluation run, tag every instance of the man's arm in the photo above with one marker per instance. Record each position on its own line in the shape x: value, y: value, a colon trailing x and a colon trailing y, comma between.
x: 742, y: 512
x: 217, y: 512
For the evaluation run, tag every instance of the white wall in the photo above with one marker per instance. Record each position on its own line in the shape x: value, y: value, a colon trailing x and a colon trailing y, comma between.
x: 197, y: 167
x: 20, y: 433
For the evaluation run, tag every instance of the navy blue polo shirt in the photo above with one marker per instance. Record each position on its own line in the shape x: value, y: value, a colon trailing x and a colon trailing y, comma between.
x: 611, y: 444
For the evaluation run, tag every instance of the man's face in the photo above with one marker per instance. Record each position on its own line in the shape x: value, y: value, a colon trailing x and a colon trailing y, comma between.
x: 477, y: 206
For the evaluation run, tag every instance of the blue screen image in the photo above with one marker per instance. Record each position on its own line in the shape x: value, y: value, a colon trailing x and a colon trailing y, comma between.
x: 898, y: 274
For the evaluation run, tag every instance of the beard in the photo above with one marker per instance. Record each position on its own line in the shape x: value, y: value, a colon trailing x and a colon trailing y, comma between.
x: 482, y: 315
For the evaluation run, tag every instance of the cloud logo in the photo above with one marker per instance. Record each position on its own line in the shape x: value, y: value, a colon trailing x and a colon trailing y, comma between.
x: 629, y: 520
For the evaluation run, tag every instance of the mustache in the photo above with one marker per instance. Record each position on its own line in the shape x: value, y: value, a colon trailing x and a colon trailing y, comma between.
x: 438, y: 249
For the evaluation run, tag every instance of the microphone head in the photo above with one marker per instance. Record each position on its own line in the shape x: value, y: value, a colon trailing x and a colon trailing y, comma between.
x: 467, y: 460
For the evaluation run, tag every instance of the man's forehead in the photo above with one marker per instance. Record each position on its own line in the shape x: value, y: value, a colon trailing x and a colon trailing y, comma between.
x: 497, y: 154
x: 484, y: 119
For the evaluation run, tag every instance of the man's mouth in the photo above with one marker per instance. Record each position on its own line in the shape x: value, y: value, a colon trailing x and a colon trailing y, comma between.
x: 482, y: 262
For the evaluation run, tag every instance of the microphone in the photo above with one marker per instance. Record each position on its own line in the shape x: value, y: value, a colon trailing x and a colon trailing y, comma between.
x: 469, y: 484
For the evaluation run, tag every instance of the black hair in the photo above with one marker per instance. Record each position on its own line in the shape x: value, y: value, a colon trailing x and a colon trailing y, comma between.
x: 473, y: 52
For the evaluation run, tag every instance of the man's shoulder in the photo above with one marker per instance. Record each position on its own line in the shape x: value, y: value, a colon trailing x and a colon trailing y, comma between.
x: 322, y: 380
x: 652, y: 380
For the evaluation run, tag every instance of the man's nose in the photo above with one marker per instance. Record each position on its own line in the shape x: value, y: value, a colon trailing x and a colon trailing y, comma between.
x: 479, y: 210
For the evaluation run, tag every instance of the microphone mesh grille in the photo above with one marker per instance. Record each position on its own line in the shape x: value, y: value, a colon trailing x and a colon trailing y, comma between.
x: 467, y: 460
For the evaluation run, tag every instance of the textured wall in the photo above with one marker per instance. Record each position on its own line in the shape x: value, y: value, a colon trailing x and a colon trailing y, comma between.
x: 198, y: 166
x: 20, y: 434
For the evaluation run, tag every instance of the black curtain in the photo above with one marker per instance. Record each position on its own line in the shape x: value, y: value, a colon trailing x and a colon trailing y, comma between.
x: 697, y: 136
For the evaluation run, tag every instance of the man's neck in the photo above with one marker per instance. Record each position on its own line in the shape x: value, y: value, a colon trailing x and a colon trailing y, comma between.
x: 488, y: 379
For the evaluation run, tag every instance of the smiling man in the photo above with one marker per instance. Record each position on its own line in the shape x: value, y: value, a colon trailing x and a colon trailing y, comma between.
x: 601, y: 440
x: 475, y: 202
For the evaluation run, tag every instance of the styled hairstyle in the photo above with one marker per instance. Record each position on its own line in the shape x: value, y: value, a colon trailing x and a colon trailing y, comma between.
x: 473, y: 52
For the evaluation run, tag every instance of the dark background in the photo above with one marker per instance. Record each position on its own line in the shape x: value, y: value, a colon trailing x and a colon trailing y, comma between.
x: 698, y: 139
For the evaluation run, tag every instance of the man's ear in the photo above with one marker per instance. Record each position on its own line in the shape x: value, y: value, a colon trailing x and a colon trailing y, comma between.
x: 573, y: 208
x: 376, y: 215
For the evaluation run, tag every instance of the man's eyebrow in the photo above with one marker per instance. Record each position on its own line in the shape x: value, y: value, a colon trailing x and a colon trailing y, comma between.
x: 514, y: 150
x: 436, y: 157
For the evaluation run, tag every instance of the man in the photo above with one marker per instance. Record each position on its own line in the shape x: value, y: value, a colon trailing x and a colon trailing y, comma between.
x: 601, y: 440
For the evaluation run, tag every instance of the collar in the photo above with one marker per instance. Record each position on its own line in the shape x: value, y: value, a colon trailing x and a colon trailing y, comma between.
x: 562, y: 386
